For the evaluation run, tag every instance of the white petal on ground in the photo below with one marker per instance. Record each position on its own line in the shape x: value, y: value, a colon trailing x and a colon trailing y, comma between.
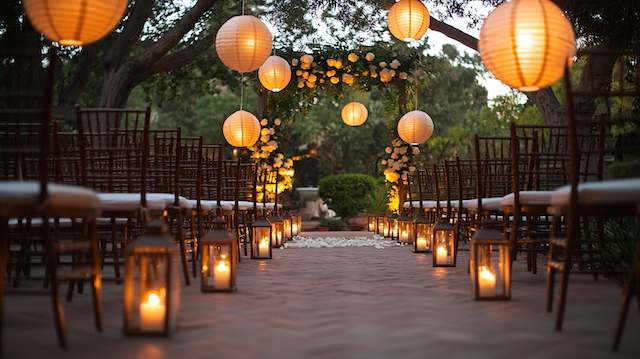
x: 377, y: 242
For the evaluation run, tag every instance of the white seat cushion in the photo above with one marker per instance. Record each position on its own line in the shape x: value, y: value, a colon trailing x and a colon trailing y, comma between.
x: 490, y: 203
x: 169, y: 199
x: 425, y: 204
x: 126, y: 202
x: 25, y: 194
x: 625, y: 191
x: 530, y: 198
x: 37, y: 222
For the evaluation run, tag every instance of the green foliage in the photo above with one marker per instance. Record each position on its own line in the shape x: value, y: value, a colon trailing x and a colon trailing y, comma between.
x: 347, y: 194
x: 620, y: 236
x: 378, y: 198
x: 334, y: 224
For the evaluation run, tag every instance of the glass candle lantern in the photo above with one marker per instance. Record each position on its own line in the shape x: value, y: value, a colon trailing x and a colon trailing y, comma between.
x: 218, y: 250
x: 296, y: 228
x: 261, y: 235
x: 287, y: 228
x: 152, y: 283
x: 444, y: 245
x: 383, y: 226
x: 393, y: 227
x: 372, y: 223
x: 277, y: 230
x: 422, y: 235
x: 490, y: 265
x: 405, y: 229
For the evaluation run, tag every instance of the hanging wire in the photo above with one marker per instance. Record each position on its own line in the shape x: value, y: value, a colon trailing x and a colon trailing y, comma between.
x: 415, y: 75
x: 243, y: 7
x: 241, y: 89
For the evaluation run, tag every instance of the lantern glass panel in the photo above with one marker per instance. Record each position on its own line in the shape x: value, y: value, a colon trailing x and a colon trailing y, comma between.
x: 393, y: 227
x: 151, y: 287
x: 405, y: 231
x: 277, y: 228
x: 444, y: 246
x: 261, y: 240
x: 372, y: 223
x: 286, y: 224
x: 423, y: 234
x: 383, y: 226
x: 490, y: 269
x: 218, y: 266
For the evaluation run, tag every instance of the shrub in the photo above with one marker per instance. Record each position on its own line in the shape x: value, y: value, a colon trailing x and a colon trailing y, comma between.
x: 347, y: 194
x: 334, y: 224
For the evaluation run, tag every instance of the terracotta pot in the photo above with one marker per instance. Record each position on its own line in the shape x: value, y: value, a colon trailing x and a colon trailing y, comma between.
x: 358, y: 223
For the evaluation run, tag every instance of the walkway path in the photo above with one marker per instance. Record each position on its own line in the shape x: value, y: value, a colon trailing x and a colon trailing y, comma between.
x: 343, y: 303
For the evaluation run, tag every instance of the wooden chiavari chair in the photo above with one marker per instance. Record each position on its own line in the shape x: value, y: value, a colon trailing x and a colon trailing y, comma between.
x: 576, y: 206
x: 26, y: 164
x: 190, y: 183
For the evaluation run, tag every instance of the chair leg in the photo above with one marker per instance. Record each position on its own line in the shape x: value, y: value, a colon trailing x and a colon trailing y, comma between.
x: 52, y: 264
x: 622, y: 318
x: 96, y: 276
x: 564, y: 286
x: 4, y: 259
x: 183, y: 254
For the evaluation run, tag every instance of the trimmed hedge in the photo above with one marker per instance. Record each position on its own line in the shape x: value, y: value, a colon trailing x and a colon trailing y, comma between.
x: 347, y: 194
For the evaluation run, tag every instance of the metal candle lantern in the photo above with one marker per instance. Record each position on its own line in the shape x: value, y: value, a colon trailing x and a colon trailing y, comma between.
x: 393, y: 227
x: 151, y: 284
x: 444, y: 245
x: 490, y: 265
x: 372, y: 223
x: 423, y: 233
x: 218, y: 250
x: 405, y: 229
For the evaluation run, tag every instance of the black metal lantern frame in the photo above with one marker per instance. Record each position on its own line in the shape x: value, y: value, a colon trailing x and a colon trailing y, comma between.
x: 261, y: 239
x: 393, y: 227
x: 444, y: 245
x: 152, y: 283
x: 287, y: 224
x: 218, y: 261
x: 423, y: 235
x: 405, y: 230
x: 490, y: 265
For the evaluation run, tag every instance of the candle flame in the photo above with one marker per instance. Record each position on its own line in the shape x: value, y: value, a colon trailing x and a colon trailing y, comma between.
x: 222, y: 266
x: 153, y: 298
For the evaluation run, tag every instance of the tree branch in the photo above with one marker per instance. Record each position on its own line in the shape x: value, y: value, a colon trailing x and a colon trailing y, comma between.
x: 173, y: 36
x: 177, y: 59
x: 139, y: 13
x: 454, y: 33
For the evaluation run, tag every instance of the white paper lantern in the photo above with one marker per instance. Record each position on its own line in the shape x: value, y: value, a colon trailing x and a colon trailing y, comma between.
x: 354, y: 114
x: 275, y: 74
x: 527, y: 43
x: 408, y: 20
x: 75, y: 22
x: 241, y: 129
x: 415, y: 127
x: 243, y: 43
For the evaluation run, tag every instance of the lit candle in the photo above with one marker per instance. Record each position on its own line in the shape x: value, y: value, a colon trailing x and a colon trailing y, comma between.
x: 405, y: 236
x: 295, y: 228
x: 441, y: 255
x: 421, y: 243
x: 152, y: 312
x: 222, y: 275
x: 263, y: 247
x: 486, y: 282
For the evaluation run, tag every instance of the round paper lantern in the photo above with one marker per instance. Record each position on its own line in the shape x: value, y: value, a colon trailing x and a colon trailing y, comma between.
x: 241, y: 129
x: 415, y: 127
x: 74, y: 22
x: 275, y: 74
x: 243, y: 43
x: 526, y: 43
x: 408, y: 20
x: 354, y: 114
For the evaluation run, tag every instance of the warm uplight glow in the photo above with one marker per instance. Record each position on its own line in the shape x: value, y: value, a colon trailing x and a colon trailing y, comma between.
x: 241, y: 129
x: 152, y: 312
x: 275, y: 73
x: 263, y: 247
x: 354, y: 114
x: 243, y: 43
x: 527, y: 43
x: 415, y: 127
x: 408, y: 20
x: 222, y: 275
x: 75, y: 22
x: 421, y: 244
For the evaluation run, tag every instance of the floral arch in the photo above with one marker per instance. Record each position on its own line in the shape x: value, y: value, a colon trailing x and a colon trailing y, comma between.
x: 332, y: 71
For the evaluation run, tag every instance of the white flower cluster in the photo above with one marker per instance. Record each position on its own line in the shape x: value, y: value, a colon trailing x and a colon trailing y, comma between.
x: 398, y: 165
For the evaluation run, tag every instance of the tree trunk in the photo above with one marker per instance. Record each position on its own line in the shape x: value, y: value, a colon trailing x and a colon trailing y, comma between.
x: 117, y: 87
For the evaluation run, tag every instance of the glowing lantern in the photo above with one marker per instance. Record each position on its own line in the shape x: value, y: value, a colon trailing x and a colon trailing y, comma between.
x: 444, y: 245
x: 74, y: 22
x: 405, y: 229
x: 372, y: 223
x: 408, y: 20
x: 354, y: 114
x: 275, y: 73
x: 527, y: 43
x: 383, y: 226
x: 490, y: 265
x: 151, y: 283
x: 393, y: 227
x: 243, y: 43
x: 218, y: 250
x: 241, y: 129
x: 415, y: 127
x: 261, y: 233
x: 423, y: 235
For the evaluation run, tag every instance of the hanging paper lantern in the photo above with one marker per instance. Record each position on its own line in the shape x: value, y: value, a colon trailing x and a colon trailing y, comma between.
x: 275, y: 73
x: 415, y: 127
x: 408, y: 20
x: 243, y: 43
x: 354, y: 114
x: 241, y: 129
x: 527, y: 43
x: 74, y: 22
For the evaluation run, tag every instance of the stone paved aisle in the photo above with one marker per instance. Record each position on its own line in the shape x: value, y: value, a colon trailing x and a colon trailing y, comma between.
x: 342, y: 303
